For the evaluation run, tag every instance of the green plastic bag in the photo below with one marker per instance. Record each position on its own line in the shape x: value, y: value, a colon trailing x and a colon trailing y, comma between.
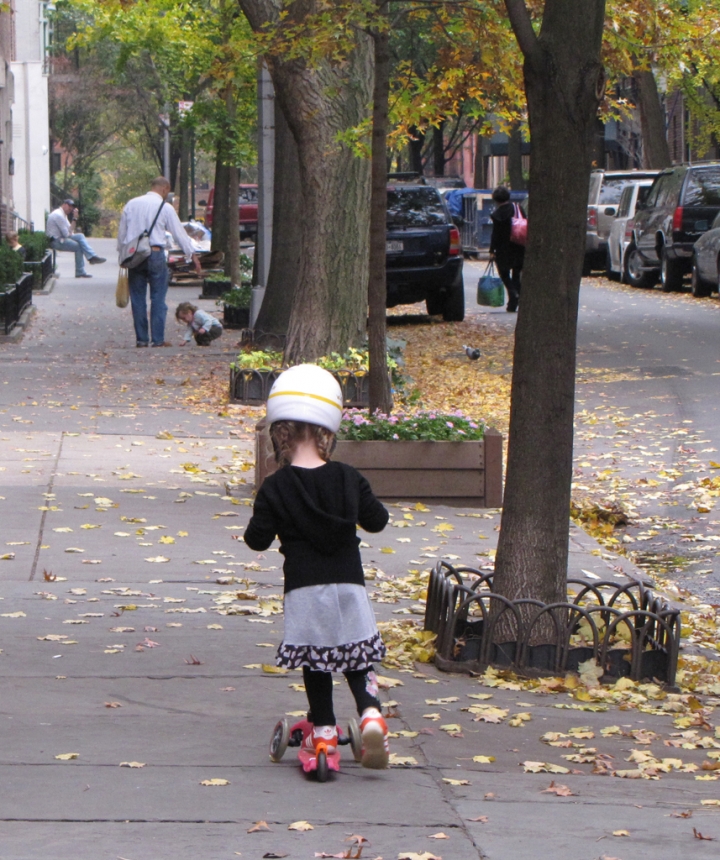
x: 490, y: 289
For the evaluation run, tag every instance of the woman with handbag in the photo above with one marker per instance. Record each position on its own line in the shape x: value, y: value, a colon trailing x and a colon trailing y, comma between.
x: 507, y: 247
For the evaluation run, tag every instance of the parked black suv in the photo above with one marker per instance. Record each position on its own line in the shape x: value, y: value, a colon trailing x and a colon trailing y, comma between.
x: 680, y: 206
x: 423, y: 253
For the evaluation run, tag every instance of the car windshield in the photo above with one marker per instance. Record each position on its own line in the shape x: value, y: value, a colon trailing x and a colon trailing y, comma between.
x: 612, y: 190
x: 703, y: 188
x: 414, y: 207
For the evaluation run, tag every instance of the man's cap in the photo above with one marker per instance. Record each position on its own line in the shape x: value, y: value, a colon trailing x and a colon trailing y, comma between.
x: 69, y: 201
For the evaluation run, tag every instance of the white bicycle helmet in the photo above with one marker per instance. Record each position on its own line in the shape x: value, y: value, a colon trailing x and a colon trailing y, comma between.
x: 306, y: 392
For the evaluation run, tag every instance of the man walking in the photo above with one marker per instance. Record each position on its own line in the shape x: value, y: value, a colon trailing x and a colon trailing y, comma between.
x: 137, y: 217
x: 61, y: 230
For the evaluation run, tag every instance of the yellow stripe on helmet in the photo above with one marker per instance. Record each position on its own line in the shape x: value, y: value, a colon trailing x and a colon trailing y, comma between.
x: 305, y: 394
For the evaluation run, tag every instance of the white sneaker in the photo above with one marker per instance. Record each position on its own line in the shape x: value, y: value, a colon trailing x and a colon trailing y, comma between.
x: 375, y: 746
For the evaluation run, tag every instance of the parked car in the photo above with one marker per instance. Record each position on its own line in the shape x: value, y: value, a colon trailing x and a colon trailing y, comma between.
x: 424, y: 258
x: 681, y: 205
x: 706, y: 261
x: 606, y: 188
x: 248, y: 210
x: 633, y: 194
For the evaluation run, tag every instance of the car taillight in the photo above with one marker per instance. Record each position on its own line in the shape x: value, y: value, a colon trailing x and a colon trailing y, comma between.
x: 629, y: 224
x: 592, y: 217
x: 677, y: 218
x: 455, y: 243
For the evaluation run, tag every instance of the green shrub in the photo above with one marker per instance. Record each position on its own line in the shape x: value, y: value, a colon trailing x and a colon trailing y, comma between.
x: 237, y: 298
x: 11, y: 265
x: 35, y: 245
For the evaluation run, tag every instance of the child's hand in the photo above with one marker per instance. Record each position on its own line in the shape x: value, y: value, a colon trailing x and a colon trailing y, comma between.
x: 184, y: 343
x: 201, y: 331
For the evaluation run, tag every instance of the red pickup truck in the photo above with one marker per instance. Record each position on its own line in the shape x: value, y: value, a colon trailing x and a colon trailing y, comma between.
x: 248, y: 210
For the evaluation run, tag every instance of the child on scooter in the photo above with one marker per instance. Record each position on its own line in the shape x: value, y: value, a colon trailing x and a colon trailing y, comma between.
x: 313, y: 505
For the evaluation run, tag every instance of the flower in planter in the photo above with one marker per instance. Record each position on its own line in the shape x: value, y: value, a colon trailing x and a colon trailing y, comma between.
x: 424, y: 426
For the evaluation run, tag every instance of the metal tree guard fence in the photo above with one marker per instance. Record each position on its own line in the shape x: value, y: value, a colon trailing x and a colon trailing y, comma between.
x: 13, y: 301
x: 41, y: 270
x: 627, y: 629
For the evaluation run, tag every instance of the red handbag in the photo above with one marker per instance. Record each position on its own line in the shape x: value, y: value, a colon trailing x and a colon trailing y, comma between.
x: 518, y: 228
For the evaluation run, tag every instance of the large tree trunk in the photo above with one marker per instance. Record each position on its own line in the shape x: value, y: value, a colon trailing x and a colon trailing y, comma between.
x: 220, y: 204
x: 656, y: 152
x: 282, y: 282
x: 515, y: 168
x: 321, y: 102
x: 564, y: 82
x: 380, y: 394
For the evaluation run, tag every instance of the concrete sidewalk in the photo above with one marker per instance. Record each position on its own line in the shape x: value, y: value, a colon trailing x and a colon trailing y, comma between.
x: 117, y: 537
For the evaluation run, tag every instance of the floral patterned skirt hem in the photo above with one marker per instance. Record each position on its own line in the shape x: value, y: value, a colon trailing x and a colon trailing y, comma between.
x: 355, y: 656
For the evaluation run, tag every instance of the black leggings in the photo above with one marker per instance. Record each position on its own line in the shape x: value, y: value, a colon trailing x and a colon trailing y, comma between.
x: 318, y: 686
x: 511, y: 279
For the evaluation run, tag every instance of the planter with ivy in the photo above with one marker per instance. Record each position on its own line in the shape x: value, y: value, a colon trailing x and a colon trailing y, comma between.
x: 426, y: 456
x: 236, y: 307
x: 38, y: 257
x: 252, y: 375
x: 215, y: 285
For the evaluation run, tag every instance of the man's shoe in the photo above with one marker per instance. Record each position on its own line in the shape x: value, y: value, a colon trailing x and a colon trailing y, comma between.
x: 167, y: 343
x: 83, y: 275
x: 374, y: 732
x: 94, y: 261
x: 139, y: 343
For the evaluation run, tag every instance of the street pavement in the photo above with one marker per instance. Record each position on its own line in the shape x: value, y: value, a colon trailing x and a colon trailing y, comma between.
x: 121, y: 498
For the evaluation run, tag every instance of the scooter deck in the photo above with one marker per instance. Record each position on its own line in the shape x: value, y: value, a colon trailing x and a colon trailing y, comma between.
x: 308, y: 761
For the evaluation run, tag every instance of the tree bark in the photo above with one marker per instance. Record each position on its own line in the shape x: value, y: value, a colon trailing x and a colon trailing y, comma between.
x: 220, y: 204
x: 564, y: 83
x: 232, y: 260
x: 184, y: 181
x: 380, y: 393
x: 329, y: 311
x: 480, y: 167
x: 515, y: 168
x: 438, y: 139
x: 415, y: 147
x: 656, y: 152
x: 282, y: 282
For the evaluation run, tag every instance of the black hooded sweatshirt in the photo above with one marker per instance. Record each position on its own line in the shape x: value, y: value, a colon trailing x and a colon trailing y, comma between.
x: 315, y: 513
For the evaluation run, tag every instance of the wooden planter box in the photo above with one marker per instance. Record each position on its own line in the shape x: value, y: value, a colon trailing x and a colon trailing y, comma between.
x: 252, y: 387
x: 461, y: 473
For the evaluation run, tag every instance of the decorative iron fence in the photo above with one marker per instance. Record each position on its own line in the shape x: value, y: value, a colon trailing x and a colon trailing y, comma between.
x: 41, y: 270
x: 14, y: 298
x: 252, y: 387
x: 625, y: 628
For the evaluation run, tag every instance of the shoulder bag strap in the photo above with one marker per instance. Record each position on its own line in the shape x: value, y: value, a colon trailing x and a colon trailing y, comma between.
x: 157, y: 215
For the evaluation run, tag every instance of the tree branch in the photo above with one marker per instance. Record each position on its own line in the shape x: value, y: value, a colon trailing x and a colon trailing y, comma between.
x: 522, y: 26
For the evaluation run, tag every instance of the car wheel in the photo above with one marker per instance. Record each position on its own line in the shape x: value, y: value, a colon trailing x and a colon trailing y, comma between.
x: 434, y: 304
x: 671, y: 273
x: 454, y: 302
x: 609, y: 273
x: 635, y: 274
x: 700, y: 288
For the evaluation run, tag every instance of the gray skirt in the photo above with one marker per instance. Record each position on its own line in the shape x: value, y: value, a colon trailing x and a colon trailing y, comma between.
x: 330, y: 628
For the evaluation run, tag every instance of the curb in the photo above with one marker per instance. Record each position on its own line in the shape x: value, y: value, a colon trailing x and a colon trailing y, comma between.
x: 48, y: 288
x: 17, y: 333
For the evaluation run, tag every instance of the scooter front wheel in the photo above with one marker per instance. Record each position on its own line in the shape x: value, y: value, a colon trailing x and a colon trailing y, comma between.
x: 322, y: 766
x: 280, y: 739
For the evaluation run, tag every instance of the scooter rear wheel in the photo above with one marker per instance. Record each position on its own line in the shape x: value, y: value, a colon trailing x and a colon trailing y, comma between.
x: 322, y: 766
x: 355, y: 739
x: 280, y: 739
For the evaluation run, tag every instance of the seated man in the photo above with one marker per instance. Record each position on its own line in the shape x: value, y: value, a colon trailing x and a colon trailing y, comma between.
x: 61, y: 231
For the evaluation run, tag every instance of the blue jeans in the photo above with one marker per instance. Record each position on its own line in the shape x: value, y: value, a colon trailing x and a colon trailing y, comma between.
x: 153, y: 273
x: 76, y: 244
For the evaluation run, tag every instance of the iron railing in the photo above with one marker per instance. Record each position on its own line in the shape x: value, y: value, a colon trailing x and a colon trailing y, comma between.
x: 14, y: 298
x: 625, y: 628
